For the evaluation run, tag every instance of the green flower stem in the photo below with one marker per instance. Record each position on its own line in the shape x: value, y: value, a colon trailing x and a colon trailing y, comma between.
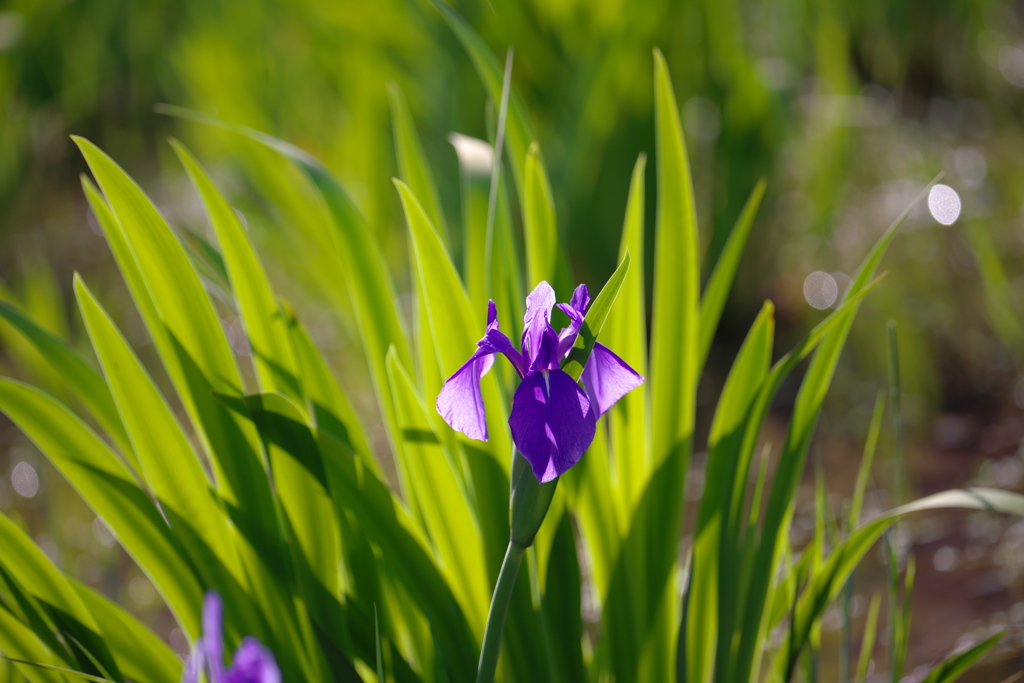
x: 499, y: 609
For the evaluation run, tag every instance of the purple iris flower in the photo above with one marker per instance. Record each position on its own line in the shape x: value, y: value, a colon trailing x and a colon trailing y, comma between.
x: 553, y: 420
x: 252, y: 662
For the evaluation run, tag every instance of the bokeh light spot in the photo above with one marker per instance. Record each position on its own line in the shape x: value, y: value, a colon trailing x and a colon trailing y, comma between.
x: 141, y: 590
x: 820, y: 289
x: 25, y: 480
x: 102, y: 533
x: 944, y: 204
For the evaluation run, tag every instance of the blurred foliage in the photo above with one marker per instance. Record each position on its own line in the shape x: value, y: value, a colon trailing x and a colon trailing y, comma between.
x: 847, y: 107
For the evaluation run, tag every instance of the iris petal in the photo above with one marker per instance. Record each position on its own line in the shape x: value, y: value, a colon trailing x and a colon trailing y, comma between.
x: 537, y: 320
x: 552, y: 422
x: 608, y: 378
x: 461, y: 403
x: 212, y: 639
x: 575, y: 309
x: 253, y: 663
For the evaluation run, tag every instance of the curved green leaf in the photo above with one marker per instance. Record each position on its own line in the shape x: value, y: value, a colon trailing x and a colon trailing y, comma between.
x: 111, y: 491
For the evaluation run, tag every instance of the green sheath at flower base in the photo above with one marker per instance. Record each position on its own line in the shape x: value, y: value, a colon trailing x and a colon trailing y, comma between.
x: 529, y: 502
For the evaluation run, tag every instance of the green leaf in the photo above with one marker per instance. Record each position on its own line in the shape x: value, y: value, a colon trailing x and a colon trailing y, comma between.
x: 34, y: 571
x: 518, y: 132
x: 265, y: 323
x: 79, y: 375
x: 111, y: 491
x: 169, y: 465
x: 637, y: 621
x: 864, y: 470
x: 358, y: 254
x: 539, y: 224
x: 140, y: 653
x: 829, y: 580
x: 675, y: 322
x: 627, y: 335
x: 720, y: 283
x: 779, y: 512
x: 194, y: 349
x: 867, y: 642
x: 301, y: 487
x: 331, y: 406
x: 404, y: 554
x: 456, y: 329
x: 19, y: 644
x: 443, y: 502
x: 594, y: 322
x: 951, y: 669
x: 712, y: 569
x: 413, y: 168
x: 58, y: 670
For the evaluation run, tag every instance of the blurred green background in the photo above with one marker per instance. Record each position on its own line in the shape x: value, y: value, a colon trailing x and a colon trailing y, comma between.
x: 847, y: 107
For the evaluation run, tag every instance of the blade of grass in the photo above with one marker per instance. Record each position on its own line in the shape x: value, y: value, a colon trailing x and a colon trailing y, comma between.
x: 779, y: 512
x: 724, y: 273
x: 41, y: 578
x: 265, y: 324
x: 627, y: 334
x: 80, y: 376
x: 710, y: 574
x: 140, y: 653
x: 867, y: 641
x: 952, y: 668
x: 540, y: 226
x: 449, y: 519
x: 111, y: 491
x: 519, y: 133
x: 354, y: 246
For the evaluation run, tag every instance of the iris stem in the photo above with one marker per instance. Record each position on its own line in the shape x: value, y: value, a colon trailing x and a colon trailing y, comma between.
x: 499, y: 610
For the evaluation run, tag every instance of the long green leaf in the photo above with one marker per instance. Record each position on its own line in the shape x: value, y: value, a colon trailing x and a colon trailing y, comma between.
x: 778, y: 514
x: 712, y: 572
x: 867, y: 642
x: 829, y: 580
x: 675, y: 322
x: 456, y: 329
x: 80, y: 376
x: 265, y: 323
x: 18, y: 643
x: 627, y: 335
x: 111, y: 491
x: 518, y: 132
x: 169, y: 464
x: 539, y: 224
x: 449, y: 519
x: 140, y: 653
x: 371, y: 291
x: 38, y: 575
x: 951, y: 669
x: 413, y: 168
x: 717, y: 289
x: 642, y: 644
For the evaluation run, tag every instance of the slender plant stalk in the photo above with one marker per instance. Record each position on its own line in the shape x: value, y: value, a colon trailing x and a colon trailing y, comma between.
x: 496, y: 615
x: 892, y: 538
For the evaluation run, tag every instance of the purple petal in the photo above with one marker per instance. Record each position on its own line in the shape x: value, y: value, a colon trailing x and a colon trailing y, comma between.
x: 495, y: 341
x: 607, y: 378
x: 552, y: 422
x: 212, y: 642
x: 253, y: 663
x: 575, y: 309
x: 194, y: 665
x: 460, y: 402
x: 537, y: 320
x: 580, y: 299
